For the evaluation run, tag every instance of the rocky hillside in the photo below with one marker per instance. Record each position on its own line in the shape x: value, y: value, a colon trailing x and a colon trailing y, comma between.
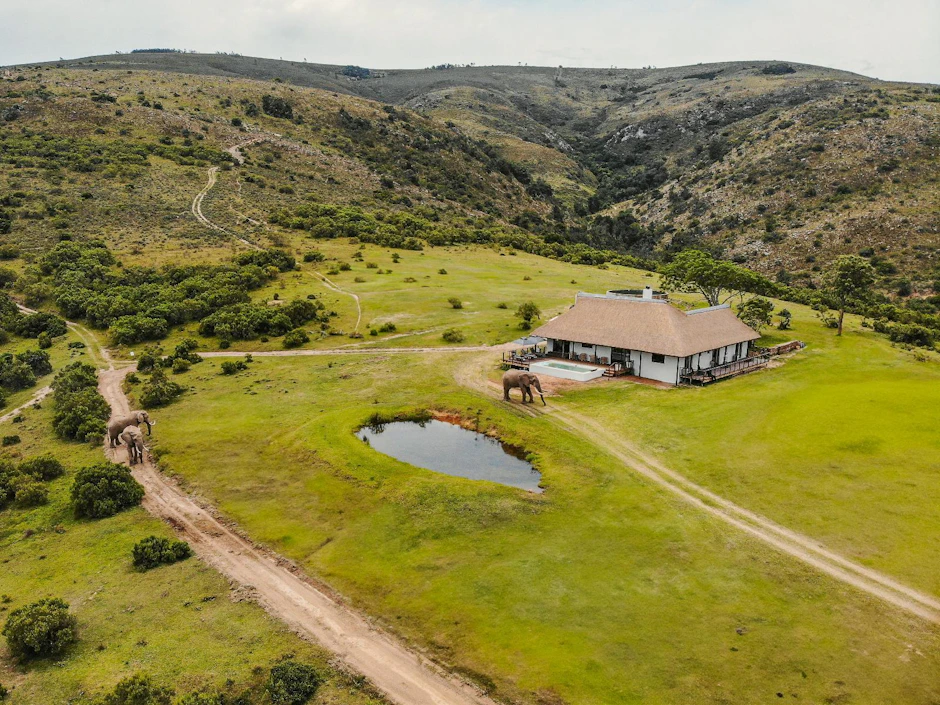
x: 778, y: 165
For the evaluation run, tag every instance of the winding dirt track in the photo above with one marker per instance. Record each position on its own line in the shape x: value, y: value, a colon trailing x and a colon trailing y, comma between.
x: 37, y: 397
x: 402, y: 675
x: 792, y: 543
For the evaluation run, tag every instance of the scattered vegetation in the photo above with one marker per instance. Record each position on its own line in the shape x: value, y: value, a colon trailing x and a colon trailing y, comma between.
x: 155, y: 551
x: 41, y: 629
x: 103, y: 490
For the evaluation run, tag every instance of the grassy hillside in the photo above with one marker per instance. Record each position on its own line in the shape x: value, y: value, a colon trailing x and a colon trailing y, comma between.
x: 183, y: 625
x: 778, y: 165
x: 588, y: 592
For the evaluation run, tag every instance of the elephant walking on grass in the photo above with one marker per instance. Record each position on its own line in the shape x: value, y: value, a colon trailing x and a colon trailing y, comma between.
x: 135, y: 418
x: 133, y: 437
x: 523, y: 380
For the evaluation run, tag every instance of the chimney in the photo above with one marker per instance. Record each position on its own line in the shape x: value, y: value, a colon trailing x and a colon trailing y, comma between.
x: 648, y: 293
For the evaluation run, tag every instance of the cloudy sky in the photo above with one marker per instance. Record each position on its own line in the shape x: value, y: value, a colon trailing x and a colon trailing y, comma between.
x: 889, y: 39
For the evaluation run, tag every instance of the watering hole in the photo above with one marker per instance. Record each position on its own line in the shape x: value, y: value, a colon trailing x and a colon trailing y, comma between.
x: 453, y: 450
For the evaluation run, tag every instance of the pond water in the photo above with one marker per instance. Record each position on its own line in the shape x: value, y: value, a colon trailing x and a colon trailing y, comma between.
x: 453, y: 450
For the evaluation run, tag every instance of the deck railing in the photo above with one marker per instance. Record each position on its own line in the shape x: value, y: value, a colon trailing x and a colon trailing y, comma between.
x: 728, y: 369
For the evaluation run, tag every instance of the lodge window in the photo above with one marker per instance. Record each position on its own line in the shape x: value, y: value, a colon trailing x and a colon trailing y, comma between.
x: 658, y: 358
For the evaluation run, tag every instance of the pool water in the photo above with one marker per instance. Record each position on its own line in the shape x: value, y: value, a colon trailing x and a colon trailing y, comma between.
x: 563, y: 366
x: 453, y: 450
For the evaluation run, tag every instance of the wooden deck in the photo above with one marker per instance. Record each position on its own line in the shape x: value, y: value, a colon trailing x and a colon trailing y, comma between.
x: 522, y: 362
x: 757, y: 361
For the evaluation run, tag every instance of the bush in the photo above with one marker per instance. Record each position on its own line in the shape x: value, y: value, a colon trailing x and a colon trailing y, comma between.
x: 388, y: 328
x: 155, y: 551
x: 43, y: 628
x: 44, y: 341
x: 42, y: 467
x: 180, y: 365
x: 81, y: 415
x: 160, y: 390
x: 38, y: 361
x: 314, y: 256
x: 442, y: 271
x: 30, y: 493
x: 15, y: 374
x: 32, y: 326
x: 104, y: 489
x: 452, y: 335
x: 230, y: 367
x: 10, y: 441
x: 293, y: 683
x: 208, y: 699
x: 277, y: 107
x: 138, y: 689
x: 127, y: 330
x: 455, y: 302
x: 296, y: 338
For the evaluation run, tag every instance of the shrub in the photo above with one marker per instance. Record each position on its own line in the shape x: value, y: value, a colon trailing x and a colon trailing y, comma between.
x: 452, y: 335
x: 155, y: 551
x: 138, y: 689
x: 207, y: 699
x: 80, y: 413
x: 527, y: 311
x: 30, y: 493
x: 455, y: 302
x: 160, y: 390
x: 42, y: 467
x: 388, y: 328
x: 10, y: 440
x: 277, y: 107
x: 344, y: 266
x: 104, y: 489
x: 146, y: 361
x: 44, y: 341
x: 181, y: 364
x: 296, y: 338
x: 442, y: 271
x: 127, y: 330
x: 230, y: 367
x: 38, y: 360
x: 15, y: 374
x: 43, y: 628
x: 31, y: 326
x: 314, y: 256
x: 292, y: 683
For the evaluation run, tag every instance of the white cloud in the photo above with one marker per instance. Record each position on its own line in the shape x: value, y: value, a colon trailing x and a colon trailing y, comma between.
x: 892, y: 41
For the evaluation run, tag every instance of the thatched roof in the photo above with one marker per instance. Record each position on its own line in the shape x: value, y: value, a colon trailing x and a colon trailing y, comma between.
x: 650, y: 326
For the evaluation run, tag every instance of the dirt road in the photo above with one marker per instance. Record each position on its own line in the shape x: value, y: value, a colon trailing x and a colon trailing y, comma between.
x: 36, y: 398
x: 404, y: 676
x: 358, y: 351
x: 472, y: 373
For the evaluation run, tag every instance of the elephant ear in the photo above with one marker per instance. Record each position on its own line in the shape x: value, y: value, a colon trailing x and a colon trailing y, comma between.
x: 140, y: 417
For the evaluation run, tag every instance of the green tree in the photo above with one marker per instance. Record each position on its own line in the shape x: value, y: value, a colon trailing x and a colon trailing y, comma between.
x: 293, y: 683
x: 43, y: 628
x: 718, y: 281
x: 849, y: 280
x: 160, y: 391
x: 104, y: 489
x: 155, y: 551
x: 138, y: 689
x: 527, y: 311
x: 756, y: 313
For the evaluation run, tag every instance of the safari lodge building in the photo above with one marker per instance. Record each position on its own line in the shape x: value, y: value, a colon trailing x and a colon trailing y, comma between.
x: 641, y: 334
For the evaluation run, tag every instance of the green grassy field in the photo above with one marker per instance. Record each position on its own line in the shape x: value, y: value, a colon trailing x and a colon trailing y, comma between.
x: 602, y: 589
x: 181, y: 624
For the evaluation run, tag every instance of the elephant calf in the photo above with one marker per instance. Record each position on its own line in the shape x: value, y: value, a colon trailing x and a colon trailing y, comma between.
x: 134, y: 439
x: 135, y: 418
x: 524, y: 381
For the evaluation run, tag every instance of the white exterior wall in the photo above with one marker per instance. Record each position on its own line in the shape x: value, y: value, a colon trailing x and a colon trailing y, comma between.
x: 666, y: 371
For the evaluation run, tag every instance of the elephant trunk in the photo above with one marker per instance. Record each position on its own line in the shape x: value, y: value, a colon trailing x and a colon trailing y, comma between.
x: 149, y: 428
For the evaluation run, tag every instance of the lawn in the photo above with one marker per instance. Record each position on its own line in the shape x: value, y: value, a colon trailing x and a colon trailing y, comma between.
x: 181, y: 624
x: 601, y: 590
x: 841, y: 443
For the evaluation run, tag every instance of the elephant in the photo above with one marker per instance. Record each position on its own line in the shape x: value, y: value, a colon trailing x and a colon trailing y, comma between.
x: 135, y: 418
x: 524, y: 381
x: 134, y: 439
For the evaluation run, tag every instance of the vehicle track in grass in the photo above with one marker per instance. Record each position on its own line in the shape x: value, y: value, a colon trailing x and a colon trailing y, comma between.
x: 473, y: 373
x: 311, y: 610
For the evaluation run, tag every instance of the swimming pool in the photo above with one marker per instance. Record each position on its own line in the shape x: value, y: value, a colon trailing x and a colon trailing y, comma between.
x: 564, y: 370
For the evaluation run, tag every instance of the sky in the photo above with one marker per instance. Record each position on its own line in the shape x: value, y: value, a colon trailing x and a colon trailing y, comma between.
x: 887, y: 39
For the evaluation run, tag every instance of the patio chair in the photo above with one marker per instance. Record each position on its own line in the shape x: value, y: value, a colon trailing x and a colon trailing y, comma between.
x: 602, y: 360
